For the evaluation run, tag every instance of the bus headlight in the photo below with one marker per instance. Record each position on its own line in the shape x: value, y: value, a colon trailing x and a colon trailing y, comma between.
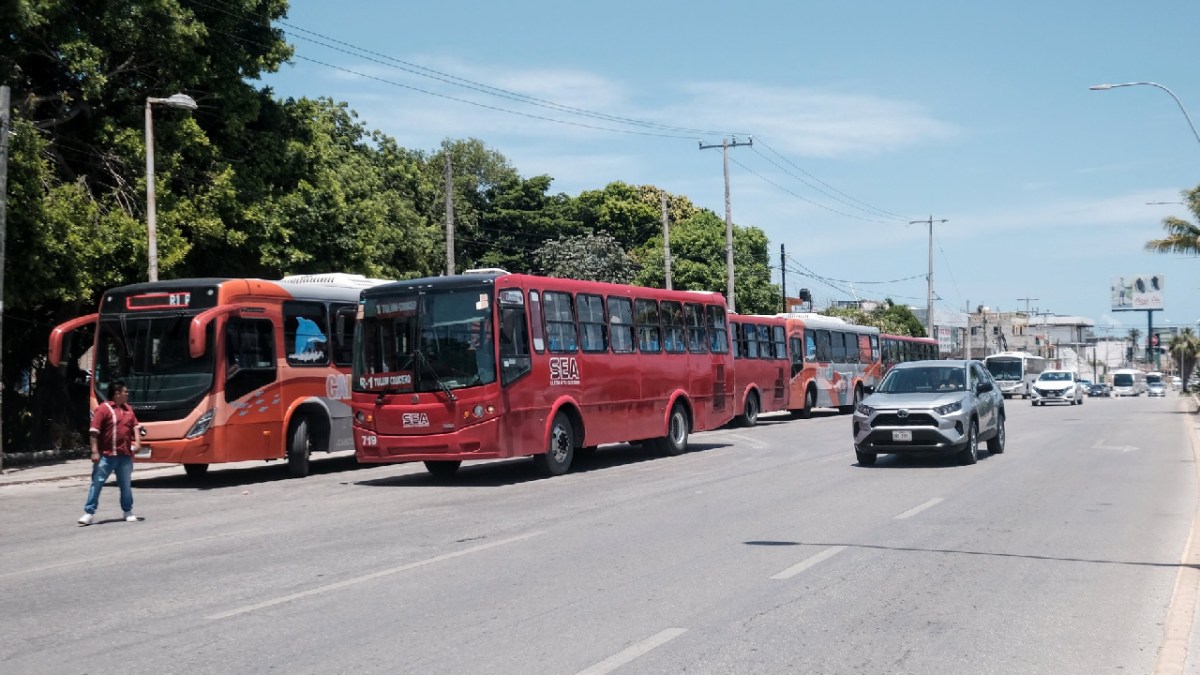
x: 201, y: 426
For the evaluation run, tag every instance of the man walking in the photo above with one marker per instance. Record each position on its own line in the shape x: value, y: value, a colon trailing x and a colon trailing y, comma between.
x: 114, y: 439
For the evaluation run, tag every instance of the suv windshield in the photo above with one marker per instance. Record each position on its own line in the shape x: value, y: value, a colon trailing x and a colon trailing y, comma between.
x: 922, y: 379
x: 1054, y: 377
x: 422, y: 342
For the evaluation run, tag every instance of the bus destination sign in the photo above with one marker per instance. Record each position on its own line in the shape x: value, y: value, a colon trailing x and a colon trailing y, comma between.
x: 172, y: 300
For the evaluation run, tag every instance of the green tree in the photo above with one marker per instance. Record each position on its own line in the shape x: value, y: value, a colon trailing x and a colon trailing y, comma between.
x: 1182, y: 236
x: 698, y: 262
x: 888, y: 317
x: 1185, y: 347
x: 596, y: 257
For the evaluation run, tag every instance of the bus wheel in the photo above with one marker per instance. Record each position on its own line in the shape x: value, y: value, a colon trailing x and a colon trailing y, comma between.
x: 557, y: 458
x: 195, y: 470
x: 810, y: 402
x: 676, y: 440
x: 298, y: 448
x: 443, y: 468
x: 750, y: 416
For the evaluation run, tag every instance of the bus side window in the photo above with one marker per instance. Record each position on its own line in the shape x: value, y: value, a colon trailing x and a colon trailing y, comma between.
x: 750, y: 331
x: 560, y: 322
x: 648, y: 327
x: 343, y: 335
x: 249, y: 356
x: 693, y: 317
x: 620, y: 324
x: 739, y: 344
x: 718, y: 333
x: 535, y: 317
x: 514, y: 345
x: 797, y: 356
x: 592, y: 325
x: 306, y: 333
x: 779, y: 341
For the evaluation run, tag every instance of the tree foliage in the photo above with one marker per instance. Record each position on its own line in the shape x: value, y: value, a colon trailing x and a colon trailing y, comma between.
x: 888, y: 317
x: 1181, y: 235
x: 595, y: 257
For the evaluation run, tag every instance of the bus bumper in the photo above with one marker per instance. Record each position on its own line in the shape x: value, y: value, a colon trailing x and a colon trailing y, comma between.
x: 478, y: 441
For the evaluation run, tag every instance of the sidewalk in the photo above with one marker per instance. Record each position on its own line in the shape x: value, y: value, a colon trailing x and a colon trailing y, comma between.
x: 69, y: 469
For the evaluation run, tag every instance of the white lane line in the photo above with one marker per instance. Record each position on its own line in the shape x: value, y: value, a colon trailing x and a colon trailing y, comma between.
x: 368, y: 577
x: 626, y: 655
x: 917, y: 509
x: 801, y: 566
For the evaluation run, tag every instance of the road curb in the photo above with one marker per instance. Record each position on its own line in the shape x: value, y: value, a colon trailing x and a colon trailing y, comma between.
x: 1181, y: 612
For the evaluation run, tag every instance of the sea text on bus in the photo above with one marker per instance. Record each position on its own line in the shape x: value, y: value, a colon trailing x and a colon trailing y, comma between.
x: 564, y: 370
x: 411, y: 420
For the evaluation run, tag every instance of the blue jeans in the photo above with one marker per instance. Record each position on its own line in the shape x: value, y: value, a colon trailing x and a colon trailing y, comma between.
x: 123, y: 466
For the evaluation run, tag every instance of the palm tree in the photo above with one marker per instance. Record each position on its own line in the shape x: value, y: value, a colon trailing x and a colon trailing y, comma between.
x: 1185, y: 347
x: 1182, y: 236
x: 1133, y: 336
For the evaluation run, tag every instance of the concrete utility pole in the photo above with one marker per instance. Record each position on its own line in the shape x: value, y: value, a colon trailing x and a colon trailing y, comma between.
x: 783, y: 275
x: 666, y: 239
x: 449, y: 217
x: 725, y: 145
x: 1026, y: 301
x: 5, y: 122
x: 929, y: 277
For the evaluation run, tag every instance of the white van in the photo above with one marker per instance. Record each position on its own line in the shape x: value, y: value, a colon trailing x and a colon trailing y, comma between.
x: 1128, y: 382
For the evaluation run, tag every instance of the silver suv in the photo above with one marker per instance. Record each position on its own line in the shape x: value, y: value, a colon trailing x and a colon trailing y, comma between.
x: 930, y: 407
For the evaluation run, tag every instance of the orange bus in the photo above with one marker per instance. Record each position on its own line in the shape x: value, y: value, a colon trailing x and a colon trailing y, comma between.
x: 226, y: 370
x: 832, y: 360
x: 490, y: 365
x: 761, y: 366
x: 901, y: 348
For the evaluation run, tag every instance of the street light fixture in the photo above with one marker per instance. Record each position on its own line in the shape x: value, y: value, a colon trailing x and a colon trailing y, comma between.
x: 172, y: 101
x: 1106, y: 87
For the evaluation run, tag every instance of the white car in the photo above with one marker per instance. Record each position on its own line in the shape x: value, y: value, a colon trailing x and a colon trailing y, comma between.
x: 1057, y: 386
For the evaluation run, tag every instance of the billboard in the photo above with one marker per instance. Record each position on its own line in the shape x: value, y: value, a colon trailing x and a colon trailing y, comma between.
x: 1137, y: 292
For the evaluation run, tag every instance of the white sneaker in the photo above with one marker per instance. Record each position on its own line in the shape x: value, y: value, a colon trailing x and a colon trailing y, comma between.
x: 85, y: 519
x: 130, y: 518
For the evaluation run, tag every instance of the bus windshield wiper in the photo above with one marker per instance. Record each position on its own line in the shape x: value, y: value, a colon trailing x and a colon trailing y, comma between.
x: 423, y: 361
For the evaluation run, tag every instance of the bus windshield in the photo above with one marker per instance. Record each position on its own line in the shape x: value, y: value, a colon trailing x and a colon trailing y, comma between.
x: 1004, y: 369
x: 425, y: 342
x: 151, y: 355
x: 1122, y: 380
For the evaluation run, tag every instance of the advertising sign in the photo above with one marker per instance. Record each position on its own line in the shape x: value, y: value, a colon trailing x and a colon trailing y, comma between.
x: 944, y: 340
x: 1137, y: 292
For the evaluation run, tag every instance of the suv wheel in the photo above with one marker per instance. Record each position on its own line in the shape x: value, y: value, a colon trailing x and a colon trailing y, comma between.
x: 970, y: 453
x: 995, y: 444
x: 865, y: 458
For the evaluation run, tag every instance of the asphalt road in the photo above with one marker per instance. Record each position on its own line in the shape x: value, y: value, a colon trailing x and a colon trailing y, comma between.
x: 764, y: 550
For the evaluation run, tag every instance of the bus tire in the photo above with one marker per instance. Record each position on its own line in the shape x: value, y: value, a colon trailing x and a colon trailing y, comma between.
x: 810, y: 402
x: 195, y: 471
x: 298, y: 448
x: 847, y: 409
x: 676, y: 440
x: 749, y: 416
x: 443, y: 468
x: 557, y: 458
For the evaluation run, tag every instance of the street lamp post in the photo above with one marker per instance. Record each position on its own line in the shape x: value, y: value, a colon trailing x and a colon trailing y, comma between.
x: 1105, y: 87
x: 173, y: 101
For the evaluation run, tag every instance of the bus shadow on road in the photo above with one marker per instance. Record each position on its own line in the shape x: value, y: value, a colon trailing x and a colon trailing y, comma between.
x: 268, y: 472
x: 500, y: 473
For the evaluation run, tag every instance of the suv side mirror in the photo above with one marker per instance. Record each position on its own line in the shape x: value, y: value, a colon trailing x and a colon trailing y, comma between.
x: 983, y: 387
x: 868, y: 389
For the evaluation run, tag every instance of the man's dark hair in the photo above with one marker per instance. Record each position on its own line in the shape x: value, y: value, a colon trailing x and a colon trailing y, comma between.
x: 116, y: 386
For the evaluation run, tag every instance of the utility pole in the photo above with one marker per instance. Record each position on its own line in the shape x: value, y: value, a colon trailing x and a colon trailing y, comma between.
x: 725, y: 145
x: 5, y: 123
x: 929, y: 277
x: 1026, y: 301
x: 783, y: 276
x: 449, y: 216
x: 666, y: 238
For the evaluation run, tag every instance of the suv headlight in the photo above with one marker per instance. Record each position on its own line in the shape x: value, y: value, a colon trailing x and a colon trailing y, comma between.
x: 949, y: 408
x: 864, y: 409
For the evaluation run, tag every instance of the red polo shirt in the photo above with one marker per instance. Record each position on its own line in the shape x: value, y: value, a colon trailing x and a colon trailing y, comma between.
x: 114, y: 427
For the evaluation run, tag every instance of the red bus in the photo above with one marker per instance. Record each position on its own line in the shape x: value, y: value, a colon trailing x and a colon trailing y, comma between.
x: 761, y: 366
x: 491, y: 365
x: 227, y: 370
x: 832, y: 360
x: 901, y: 348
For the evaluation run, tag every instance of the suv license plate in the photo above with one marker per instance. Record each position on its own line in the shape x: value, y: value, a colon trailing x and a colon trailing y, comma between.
x: 902, y: 435
x: 144, y: 452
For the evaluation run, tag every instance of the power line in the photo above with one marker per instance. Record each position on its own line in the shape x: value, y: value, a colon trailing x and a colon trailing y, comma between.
x: 849, y: 201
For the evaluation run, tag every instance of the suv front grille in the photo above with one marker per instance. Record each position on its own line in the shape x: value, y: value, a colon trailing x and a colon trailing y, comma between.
x: 913, y: 420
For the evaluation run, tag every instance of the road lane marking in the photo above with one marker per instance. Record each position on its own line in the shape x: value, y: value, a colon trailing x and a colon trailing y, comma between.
x: 1099, y: 445
x: 368, y: 577
x: 917, y: 509
x: 632, y: 652
x: 801, y: 566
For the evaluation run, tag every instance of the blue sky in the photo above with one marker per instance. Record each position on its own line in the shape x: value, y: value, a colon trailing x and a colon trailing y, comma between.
x: 864, y: 115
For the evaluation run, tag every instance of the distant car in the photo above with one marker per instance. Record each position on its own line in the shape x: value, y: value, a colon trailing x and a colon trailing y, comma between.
x: 1099, y: 389
x: 931, y: 407
x: 1176, y: 383
x: 1057, y: 386
x: 1085, y: 384
x: 1156, y: 389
